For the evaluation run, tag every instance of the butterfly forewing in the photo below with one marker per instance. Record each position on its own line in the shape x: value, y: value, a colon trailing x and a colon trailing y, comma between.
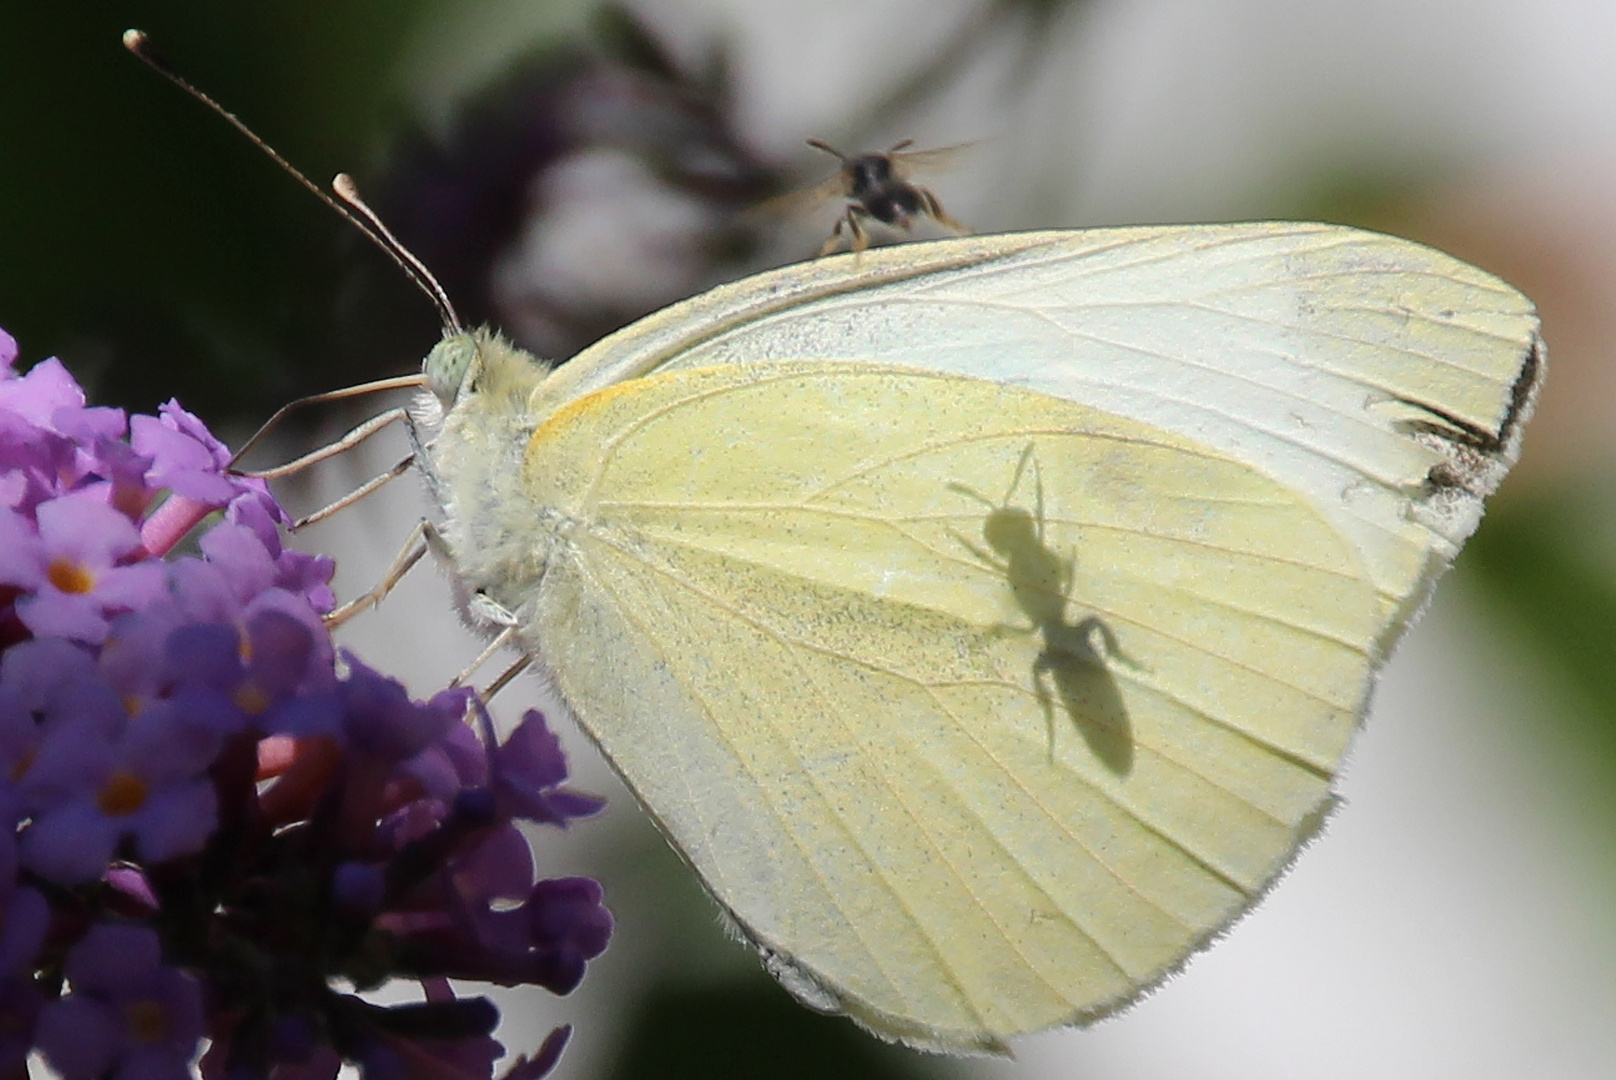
x: 1316, y: 353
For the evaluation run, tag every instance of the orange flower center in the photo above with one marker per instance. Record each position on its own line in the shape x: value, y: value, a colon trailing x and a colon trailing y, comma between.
x: 250, y: 699
x: 25, y: 761
x: 70, y: 577
x: 123, y: 794
x: 147, y: 1020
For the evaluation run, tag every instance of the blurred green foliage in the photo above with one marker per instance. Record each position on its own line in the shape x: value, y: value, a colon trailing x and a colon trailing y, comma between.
x: 146, y: 242
x: 719, y: 1032
x: 1545, y: 562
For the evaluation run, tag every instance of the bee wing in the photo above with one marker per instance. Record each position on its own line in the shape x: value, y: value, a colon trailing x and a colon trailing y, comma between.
x: 800, y: 201
x: 941, y: 157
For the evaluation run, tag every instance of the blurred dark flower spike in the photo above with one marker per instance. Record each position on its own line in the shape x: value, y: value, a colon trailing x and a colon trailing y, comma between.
x: 217, y: 817
x: 1030, y: 23
x: 590, y: 184
x: 355, y: 212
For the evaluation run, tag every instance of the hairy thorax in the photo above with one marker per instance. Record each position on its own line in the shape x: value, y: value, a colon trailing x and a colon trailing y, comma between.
x: 473, y: 455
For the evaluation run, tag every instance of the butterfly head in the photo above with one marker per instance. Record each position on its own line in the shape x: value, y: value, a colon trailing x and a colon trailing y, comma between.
x: 481, y: 362
x: 452, y: 367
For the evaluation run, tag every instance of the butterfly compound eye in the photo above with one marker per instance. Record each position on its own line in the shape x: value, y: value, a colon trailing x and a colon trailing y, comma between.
x: 448, y: 366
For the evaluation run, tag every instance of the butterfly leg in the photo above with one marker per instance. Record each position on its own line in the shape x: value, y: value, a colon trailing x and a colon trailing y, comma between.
x: 424, y: 538
x: 510, y: 673
x: 399, y: 468
x: 331, y: 449
x: 499, y: 641
x: 420, y: 541
x: 486, y: 611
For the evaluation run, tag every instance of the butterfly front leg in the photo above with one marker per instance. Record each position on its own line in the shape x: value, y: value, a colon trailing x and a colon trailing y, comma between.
x: 498, y: 614
x: 484, y: 612
x: 423, y: 538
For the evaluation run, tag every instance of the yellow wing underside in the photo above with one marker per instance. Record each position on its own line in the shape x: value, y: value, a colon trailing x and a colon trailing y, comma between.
x: 977, y: 708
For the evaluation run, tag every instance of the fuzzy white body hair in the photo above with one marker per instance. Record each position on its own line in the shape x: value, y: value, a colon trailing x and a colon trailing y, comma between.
x: 471, y: 434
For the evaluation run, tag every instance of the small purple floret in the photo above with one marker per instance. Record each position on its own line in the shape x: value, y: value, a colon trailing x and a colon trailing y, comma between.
x: 127, y: 1013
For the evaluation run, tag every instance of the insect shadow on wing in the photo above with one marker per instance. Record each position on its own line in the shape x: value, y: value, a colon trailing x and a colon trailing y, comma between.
x: 1071, y: 668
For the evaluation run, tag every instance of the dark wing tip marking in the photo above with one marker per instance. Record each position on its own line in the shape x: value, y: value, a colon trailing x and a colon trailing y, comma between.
x: 1472, y: 452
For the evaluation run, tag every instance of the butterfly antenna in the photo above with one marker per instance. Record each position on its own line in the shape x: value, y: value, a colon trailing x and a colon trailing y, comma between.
x: 366, y: 221
x: 348, y: 192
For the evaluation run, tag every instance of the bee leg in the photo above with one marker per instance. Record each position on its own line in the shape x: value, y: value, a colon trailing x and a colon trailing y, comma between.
x: 861, y: 238
x: 996, y: 565
x: 938, y: 214
x: 835, y: 237
x: 851, y: 219
x: 1086, y: 630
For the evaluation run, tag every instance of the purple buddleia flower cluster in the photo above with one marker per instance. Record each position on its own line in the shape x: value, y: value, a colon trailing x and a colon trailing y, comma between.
x: 216, y: 817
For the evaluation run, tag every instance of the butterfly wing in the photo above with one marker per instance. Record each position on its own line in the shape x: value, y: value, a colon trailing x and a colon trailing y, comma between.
x: 979, y: 709
x: 1385, y: 381
x: 985, y: 620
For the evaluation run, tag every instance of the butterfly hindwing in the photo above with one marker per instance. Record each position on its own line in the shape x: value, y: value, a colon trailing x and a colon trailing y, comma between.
x: 969, y: 770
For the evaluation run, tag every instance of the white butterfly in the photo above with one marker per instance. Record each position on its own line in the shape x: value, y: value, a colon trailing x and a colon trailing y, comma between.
x: 985, y: 620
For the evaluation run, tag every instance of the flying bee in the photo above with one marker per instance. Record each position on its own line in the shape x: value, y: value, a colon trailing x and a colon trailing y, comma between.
x: 876, y: 186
